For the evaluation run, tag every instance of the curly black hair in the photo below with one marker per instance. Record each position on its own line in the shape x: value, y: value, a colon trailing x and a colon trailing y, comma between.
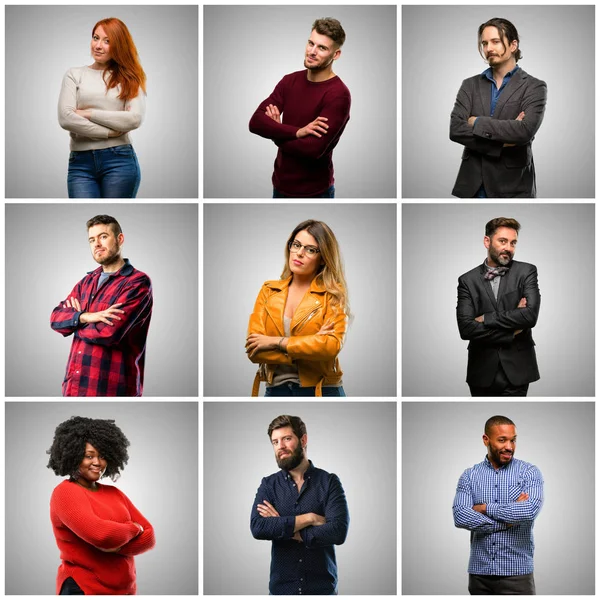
x: 70, y: 438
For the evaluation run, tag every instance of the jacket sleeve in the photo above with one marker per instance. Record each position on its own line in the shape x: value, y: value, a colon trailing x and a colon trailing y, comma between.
x: 464, y: 515
x: 469, y: 328
x: 136, y: 300
x: 270, y: 528
x: 337, y: 112
x: 527, y: 510
x: 257, y: 325
x: 73, y: 509
x: 460, y: 130
x: 266, y: 127
x: 518, y: 318
x: 511, y: 131
x: 63, y: 319
x: 128, y: 119
x: 337, y: 518
x: 321, y: 347
x: 142, y: 542
x: 67, y: 117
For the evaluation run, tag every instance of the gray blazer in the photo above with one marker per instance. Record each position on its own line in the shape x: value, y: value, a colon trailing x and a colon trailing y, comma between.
x: 506, y: 172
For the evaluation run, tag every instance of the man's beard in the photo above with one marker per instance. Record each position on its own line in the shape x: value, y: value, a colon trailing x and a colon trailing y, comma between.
x: 503, y: 261
x: 495, y: 455
x: 316, y: 67
x: 107, y: 258
x: 292, y: 461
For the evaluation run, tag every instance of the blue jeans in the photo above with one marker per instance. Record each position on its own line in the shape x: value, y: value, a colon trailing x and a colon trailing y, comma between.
x: 294, y: 389
x: 108, y: 173
x: 329, y: 193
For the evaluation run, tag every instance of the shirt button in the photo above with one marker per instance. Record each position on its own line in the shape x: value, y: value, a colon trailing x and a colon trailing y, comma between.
x: 79, y: 352
x: 300, y: 560
x: 76, y: 371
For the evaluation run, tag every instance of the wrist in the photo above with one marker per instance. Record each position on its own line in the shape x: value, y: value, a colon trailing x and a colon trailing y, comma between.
x: 83, y: 318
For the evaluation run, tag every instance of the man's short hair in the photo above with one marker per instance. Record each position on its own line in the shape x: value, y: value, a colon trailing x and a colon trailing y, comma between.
x: 496, y: 420
x: 506, y: 30
x: 331, y: 28
x: 491, y: 226
x: 105, y: 220
x: 296, y: 423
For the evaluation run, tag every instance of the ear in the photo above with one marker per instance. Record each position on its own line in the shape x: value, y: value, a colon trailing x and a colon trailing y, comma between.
x: 486, y: 440
x: 120, y: 239
x: 337, y: 54
x: 487, y: 241
x: 304, y: 441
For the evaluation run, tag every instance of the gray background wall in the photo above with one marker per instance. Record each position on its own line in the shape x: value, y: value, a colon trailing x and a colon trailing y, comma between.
x: 439, y: 49
x: 441, y: 242
x: 264, y: 43
x: 244, y: 247
x: 43, y: 42
x: 441, y: 440
x: 47, y: 253
x: 160, y: 479
x: 354, y: 440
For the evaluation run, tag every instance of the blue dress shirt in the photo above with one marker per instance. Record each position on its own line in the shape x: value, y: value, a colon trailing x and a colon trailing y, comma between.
x: 307, y: 567
x: 496, y: 548
x: 488, y: 74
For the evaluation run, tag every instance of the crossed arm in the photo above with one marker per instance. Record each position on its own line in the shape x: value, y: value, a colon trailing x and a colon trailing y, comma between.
x: 492, y: 517
x: 314, y: 530
x: 106, y: 327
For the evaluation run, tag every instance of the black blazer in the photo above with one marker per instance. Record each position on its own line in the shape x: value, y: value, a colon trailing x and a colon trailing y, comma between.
x: 494, y: 342
x: 506, y: 172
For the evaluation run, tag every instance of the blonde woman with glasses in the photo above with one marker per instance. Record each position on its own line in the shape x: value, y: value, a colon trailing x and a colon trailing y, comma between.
x: 299, y: 322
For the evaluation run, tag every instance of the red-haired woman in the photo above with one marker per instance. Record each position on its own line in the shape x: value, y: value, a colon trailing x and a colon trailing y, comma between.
x: 99, y: 104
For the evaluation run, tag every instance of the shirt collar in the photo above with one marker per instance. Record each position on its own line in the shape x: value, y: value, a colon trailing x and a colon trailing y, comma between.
x: 125, y: 270
x: 488, y: 73
x: 491, y: 466
x: 311, y: 467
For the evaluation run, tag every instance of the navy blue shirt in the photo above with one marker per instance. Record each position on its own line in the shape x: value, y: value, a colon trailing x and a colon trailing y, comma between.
x: 307, y: 567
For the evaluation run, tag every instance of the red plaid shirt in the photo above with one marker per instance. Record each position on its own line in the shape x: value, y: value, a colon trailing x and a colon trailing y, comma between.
x: 107, y: 360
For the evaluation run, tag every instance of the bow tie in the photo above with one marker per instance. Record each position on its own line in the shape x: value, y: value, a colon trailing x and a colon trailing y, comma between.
x: 498, y: 271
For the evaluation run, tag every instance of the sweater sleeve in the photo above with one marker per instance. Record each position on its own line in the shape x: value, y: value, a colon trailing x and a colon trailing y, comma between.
x: 336, y: 110
x: 143, y: 542
x: 69, y: 119
x: 131, y: 117
x: 266, y: 127
x: 71, y: 506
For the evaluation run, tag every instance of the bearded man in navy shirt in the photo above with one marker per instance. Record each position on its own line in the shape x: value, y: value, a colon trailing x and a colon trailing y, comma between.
x: 303, y: 511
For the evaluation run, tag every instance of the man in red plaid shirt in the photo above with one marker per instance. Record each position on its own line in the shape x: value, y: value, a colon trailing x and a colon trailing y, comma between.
x: 108, y: 312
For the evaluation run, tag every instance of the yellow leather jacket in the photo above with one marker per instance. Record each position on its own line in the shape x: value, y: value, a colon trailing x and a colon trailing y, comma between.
x: 315, y: 355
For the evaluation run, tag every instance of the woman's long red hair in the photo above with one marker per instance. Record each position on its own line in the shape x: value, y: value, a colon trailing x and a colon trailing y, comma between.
x: 124, y: 68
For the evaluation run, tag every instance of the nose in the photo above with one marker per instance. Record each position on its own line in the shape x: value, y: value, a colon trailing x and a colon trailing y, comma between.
x: 300, y: 251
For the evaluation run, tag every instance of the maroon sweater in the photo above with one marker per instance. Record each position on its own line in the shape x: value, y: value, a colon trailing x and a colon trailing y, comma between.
x: 303, y: 167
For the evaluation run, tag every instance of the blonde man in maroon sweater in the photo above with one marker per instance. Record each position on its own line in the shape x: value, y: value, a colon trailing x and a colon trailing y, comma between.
x: 305, y: 116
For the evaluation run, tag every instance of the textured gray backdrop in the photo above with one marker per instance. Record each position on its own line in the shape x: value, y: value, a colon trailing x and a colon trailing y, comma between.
x: 441, y: 440
x: 37, y: 149
x: 160, y: 239
x: 354, y: 440
x: 161, y: 479
x: 248, y: 50
x: 439, y: 49
x: 244, y: 247
x: 441, y: 242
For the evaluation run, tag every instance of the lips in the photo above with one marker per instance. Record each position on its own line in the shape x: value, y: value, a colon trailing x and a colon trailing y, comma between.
x: 298, y: 263
x: 282, y: 454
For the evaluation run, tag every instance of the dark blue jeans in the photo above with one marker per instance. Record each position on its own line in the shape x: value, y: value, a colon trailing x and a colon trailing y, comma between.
x: 108, y: 173
x: 329, y: 193
x: 294, y: 389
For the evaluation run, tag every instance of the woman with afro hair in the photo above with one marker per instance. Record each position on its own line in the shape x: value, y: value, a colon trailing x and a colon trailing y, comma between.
x: 98, y: 530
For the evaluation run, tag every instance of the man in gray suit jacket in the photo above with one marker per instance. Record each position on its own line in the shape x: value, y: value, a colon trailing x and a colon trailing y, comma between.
x: 498, y: 305
x: 495, y: 118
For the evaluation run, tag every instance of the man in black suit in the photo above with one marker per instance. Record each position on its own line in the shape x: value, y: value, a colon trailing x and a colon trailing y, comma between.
x: 495, y: 118
x: 498, y: 305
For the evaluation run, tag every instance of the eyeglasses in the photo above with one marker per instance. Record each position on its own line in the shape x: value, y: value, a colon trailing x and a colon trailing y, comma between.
x: 310, y: 250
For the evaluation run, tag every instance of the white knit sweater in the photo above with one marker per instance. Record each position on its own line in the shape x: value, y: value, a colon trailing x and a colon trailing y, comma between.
x: 84, y: 88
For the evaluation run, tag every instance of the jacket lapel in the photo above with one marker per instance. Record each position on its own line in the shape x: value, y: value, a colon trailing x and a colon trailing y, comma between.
x: 515, y: 82
x: 488, y: 286
x: 276, y: 303
x: 485, y: 95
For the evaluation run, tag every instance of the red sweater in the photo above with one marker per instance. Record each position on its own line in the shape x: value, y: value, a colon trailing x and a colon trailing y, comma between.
x: 303, y: 167
x: 85, y: 523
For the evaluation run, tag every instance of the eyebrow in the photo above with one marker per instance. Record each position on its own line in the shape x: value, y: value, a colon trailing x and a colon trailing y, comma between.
x: 320, y: 45
x: 305, y: 245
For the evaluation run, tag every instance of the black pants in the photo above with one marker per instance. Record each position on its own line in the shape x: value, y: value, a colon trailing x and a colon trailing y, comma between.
x: 501, y: 386
x: 70, y: 588
x: 518, y: 585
